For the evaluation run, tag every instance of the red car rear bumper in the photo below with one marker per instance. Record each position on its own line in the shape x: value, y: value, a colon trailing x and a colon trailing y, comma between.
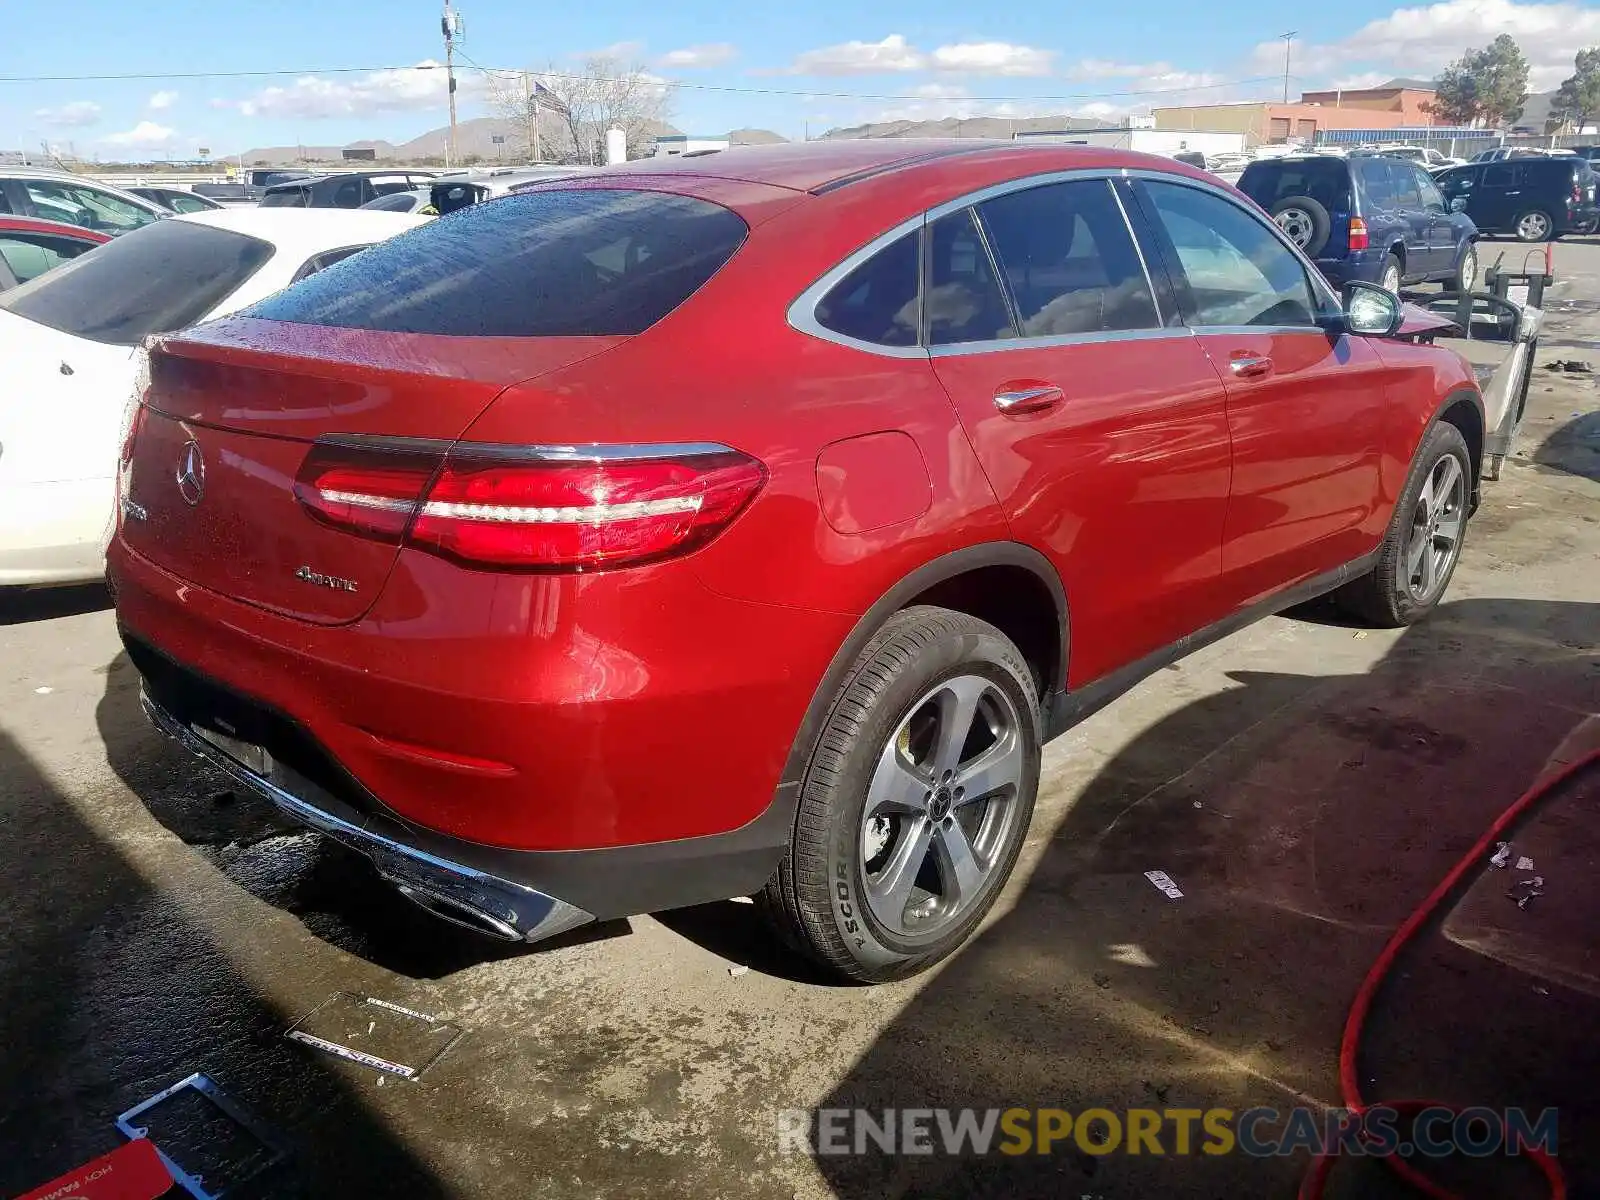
x: 563, y: 732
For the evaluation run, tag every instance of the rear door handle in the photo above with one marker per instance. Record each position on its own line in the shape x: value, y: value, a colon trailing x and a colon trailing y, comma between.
x: 1250, y: 366
x: 1016, y: 398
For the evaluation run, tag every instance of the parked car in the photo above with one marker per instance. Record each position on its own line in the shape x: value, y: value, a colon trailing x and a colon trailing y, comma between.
x: 493, y: 580
x: 73, y: 200
x: 30, y: 247
x: 248, y: 188
x: 68, y: 343
x: 351, y: 189
x: 462, y: 190
x: 1590, y: 154
x: 177, y: 199
x: 1532, y: 199
x: 1369, y: 217
x: 416, y: 200
x: 1502, y: 153
x: 1425, y: 157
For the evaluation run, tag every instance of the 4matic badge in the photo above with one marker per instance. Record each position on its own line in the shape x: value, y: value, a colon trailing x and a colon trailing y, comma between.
x: 307, y: 575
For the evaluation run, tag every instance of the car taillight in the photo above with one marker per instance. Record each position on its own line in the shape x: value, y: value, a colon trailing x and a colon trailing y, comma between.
x: 371, y: 490
x: 533, y: 508
x: 1358, y: 234
x: 1577, y: 193
x: 554, y: 515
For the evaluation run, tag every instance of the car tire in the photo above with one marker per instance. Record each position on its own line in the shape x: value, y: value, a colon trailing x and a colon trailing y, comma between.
x: 1466, y: 273
x: 1393, y: 273
x: 1305, y: 221
x: 892, y: 866
x: 1435, y: 504
x: 1533, y: 225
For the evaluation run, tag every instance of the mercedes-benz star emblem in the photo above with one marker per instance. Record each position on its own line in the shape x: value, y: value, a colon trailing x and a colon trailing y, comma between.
x: 191, y: 475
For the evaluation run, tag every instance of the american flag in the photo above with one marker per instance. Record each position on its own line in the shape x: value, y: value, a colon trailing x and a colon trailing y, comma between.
x: 545, y: 98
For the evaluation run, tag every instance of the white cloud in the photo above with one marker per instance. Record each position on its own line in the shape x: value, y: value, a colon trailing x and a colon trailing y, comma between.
x: 1101, y: 68
x: 401, y: 89
x: 629, y: 50
x: 1366, y: 79
x: 70, y: 116
x: 161, y: 100
x: 145, y: 133
x: 894, y: 53
x: 992, y: 58
x: 690, y: 57
x: 1421, y: 41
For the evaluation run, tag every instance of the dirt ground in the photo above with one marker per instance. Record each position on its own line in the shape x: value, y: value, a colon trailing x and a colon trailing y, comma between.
x: 1305, y: 783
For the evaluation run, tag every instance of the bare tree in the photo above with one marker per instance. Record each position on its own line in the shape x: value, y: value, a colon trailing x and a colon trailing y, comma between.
x: 571, y: 111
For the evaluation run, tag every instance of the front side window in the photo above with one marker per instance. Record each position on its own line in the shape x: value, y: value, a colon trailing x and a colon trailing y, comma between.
x: 154, y: 280
x: 1232, y: 270
x: 183, y: 202
x: 1497, y: 176
x: 877, y: 301
x: 964, y: 302
x: 1432, y: 199
x: 86, y: 206
x: 1068, y: 260
x: 1377, y: 182
x: 287, y: 198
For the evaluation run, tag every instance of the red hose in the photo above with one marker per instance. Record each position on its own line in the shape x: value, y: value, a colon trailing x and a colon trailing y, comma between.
x: 1349, y: 1080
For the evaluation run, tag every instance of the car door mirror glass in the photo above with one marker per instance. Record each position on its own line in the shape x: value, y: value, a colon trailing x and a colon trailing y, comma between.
x: 1370, y: 309
x: 1459, y: 204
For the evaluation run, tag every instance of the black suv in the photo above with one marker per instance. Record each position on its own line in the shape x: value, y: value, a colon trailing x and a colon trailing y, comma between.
x: 1533, y: 199
x: 349, y: 189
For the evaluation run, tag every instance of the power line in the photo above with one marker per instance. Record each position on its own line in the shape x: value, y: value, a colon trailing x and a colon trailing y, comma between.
x: 675, y: 83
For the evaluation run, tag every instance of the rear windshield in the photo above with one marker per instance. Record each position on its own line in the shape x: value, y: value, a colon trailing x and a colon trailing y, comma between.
x: 152, y: 280
x: 1325, y: 180
x: 288, y: 198
x: 542, y: 264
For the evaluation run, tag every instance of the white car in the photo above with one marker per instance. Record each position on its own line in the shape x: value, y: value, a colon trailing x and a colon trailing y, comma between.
x: 70, y: 354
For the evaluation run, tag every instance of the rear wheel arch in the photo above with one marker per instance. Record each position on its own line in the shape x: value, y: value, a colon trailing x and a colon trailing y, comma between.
x: 967, y: 580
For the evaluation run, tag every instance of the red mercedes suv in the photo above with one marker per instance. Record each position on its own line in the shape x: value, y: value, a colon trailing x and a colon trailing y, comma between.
x: 745, y: 524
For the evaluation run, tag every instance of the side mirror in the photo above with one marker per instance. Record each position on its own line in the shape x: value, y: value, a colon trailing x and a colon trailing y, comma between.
x: 1459, y: 204
x: 1371, y: 310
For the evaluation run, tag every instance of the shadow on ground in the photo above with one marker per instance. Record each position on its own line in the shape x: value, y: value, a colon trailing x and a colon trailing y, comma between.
x: 335, y: 893
x: 1303, y: 818
x: 1574, y: 448
x: 18, y: 606
x: 110, y: 993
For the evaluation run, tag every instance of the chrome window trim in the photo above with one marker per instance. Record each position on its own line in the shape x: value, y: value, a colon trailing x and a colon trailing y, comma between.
x: 1060, y: 339
x: 802, y: 313
x: 1319, y: 285
x: 579, y: 452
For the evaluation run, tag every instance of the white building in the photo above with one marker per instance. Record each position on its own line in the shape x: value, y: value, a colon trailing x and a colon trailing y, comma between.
x: 1144, y: 139
x: 688, y: 143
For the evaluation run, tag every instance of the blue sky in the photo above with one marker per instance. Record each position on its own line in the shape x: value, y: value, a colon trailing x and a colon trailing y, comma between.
x: 893, y: 59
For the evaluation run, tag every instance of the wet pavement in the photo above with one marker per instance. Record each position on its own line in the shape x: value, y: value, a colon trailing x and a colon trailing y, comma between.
x: 1305, y: 783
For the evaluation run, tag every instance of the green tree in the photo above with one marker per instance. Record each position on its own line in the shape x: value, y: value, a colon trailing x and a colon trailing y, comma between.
x: 1578, y: 97
x: 1488, y: 85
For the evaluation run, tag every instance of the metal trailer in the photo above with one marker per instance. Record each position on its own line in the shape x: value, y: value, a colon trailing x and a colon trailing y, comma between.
x: 1497, y: 332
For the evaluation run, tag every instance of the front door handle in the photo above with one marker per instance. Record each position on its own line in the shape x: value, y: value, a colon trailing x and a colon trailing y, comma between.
x: 1250, y: 366
x: 1017, y: 398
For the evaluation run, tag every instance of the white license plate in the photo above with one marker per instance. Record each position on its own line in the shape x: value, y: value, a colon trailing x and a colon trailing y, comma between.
x: 247, y: 754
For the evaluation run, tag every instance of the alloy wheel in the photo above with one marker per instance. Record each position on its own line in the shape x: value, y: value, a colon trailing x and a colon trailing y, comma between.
x: 941, y: 806
x: 1297, y: 224
x: 1391, y: 279
x: 1533, y: 227
x: 1436, y: 525
x: 1469, y: 270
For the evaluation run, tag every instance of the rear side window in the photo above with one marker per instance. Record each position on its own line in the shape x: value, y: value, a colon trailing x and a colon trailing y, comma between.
x: 1499, y: 175
x: 1069, y: 260
x: 877, y: 302
x: 542, y: 264
x: 964, y: 301
x: 153, y: 280
x: 1325, y: 180
x: 288, y: 198
x: 1377, y: 182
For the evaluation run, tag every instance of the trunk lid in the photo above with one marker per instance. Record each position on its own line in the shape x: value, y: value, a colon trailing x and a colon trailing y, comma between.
x: 231, y: 414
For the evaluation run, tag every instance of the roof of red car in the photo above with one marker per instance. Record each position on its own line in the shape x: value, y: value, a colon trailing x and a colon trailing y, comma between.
x: 59, y: 228
x: 808, y: 166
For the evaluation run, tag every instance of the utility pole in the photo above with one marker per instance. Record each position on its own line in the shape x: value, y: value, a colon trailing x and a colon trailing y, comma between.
x: 530, y: 110
x: 1288, y: 42
x: 450, y: 24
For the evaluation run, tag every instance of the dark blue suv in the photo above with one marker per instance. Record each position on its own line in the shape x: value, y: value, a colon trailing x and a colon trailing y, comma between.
x: 1382, y: 220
